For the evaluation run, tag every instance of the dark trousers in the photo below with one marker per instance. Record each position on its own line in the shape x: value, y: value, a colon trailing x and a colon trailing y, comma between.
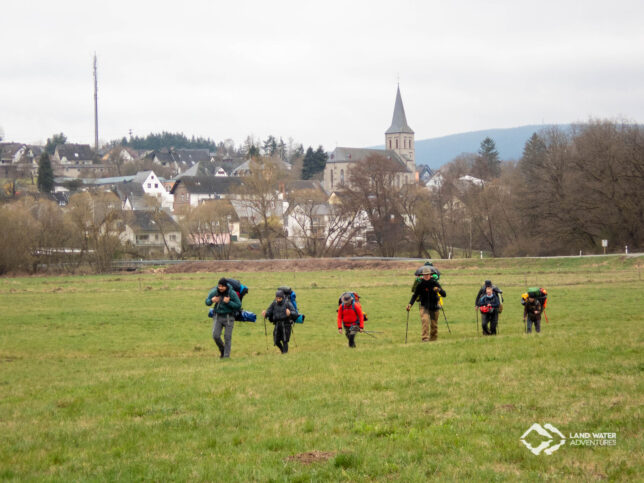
x: 489, y: 322
x: 351, y: 332
x: 536, y: 322
x: 220, y: 322
x: 282, y: 334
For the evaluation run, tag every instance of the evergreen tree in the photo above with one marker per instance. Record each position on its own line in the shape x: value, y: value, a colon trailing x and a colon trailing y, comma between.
x: 54, y: 141
x: 534, y: 153
x: 270, y: 146
x: 321, y: 157
x: 169, y: 140
x: 487, y: 164
x: 308, y: 164
x: 45, y: 174
x: 314, y: 162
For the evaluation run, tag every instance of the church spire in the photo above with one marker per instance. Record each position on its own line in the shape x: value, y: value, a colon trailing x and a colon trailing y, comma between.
x: 399, y: 120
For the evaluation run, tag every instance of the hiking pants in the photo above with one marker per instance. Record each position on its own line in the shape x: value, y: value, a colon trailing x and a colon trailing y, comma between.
x: 351, y: 332
x: 536, y: 322
x: 282, y: 334
x: 427, y: 318
x: 219, y: 322
x: 489, y: 322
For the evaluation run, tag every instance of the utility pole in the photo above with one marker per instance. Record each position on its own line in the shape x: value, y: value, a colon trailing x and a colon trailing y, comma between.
x: 95, y: 107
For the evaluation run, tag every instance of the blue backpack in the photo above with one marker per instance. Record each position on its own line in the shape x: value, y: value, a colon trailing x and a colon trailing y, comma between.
x: 290, y: 293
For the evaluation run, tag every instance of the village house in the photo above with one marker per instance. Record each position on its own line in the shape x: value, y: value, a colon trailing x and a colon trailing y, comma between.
x: 75, y: 161
x: 151, y: 233
x: 193, y: 190
x: 222, y: 229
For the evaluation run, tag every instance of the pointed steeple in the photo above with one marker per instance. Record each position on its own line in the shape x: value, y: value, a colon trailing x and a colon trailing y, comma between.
x: 399, y: 121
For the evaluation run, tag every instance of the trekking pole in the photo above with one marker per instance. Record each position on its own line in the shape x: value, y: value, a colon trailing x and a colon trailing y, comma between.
x: 544, y: 314
x: 450, y: 331
x: 265, y: 334
x: 293, y: 334
x: 407, y: 329
x: 369, y: 334
x: 477, y: 321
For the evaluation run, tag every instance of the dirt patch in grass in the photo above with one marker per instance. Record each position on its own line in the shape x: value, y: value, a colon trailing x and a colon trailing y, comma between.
x: 299, y: 265
x: 508, y: 407
x: 311, y: 457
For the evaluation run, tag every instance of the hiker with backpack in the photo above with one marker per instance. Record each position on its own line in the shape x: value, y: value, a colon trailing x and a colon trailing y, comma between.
x: 489, y: 304
x: 350, y: 317
x: 226, y: 304
x: 495, y: 289
x: 532, y: 313
x: 428, y: 291
x: 281, y: 313
x: 290, y: 295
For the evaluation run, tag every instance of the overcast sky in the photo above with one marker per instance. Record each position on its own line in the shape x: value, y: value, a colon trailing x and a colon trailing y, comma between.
x: 321, y: 72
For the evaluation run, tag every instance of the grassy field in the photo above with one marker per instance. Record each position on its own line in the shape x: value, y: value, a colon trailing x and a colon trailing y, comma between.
x: 116, y: 378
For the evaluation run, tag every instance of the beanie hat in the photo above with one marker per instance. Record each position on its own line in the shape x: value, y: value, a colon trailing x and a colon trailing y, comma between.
x: 279, y: 294
x: 223, y: 281
x: 488, y: 283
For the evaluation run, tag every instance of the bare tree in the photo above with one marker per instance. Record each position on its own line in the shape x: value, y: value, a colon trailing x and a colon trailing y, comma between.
x: 18, y: 237
x: 208, y: 228
x: 375, y: 187
x: 99, y: 220
x: 262, y: 192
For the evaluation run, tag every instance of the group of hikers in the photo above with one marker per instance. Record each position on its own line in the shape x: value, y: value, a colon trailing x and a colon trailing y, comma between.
x: 226, y: 301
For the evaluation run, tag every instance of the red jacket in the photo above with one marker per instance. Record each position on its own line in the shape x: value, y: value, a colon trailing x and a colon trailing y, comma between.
x: 350, y: 315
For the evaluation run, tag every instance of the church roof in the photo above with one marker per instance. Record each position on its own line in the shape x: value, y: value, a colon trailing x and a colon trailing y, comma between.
x: 353, y: 155
x: 399, y: 121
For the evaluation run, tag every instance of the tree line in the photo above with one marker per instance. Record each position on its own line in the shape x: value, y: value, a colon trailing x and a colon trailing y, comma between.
x: 570, y: 190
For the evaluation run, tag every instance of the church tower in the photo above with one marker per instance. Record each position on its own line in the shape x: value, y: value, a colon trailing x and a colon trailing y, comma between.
x: 400, y: 137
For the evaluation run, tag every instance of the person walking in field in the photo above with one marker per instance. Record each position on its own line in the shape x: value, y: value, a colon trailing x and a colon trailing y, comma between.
x: 495, y: 289
x: 489, y: 304
x: 350, y: 317
x: 226, y: 304
x: 428, y: 292
x: 532, y: 314
x: 281, y: 313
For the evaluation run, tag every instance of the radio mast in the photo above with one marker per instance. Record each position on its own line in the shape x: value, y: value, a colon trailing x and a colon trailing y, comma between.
x: 95, y: 107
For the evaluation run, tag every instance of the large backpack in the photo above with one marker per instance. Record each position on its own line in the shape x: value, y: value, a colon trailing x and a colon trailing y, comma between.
x: 354, y: 298
x: 290, y: 293
x: 541, y: 294
x: 419, y: 275
x: 238, y: 287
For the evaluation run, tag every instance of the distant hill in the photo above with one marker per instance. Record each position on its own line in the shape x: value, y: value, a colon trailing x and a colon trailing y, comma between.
x: 436, y: 152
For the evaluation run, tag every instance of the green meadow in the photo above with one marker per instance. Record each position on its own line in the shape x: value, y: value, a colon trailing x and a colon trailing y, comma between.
x: 116, y: 377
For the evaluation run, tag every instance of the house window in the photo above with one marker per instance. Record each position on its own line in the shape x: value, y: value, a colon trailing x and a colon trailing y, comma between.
x: 156, y: 185
x: 149, y: 185
x: 342, y: 176
x: 141, y: 238
x: 173, y: 237
x: 331, y: 178
x: 405, y: 143
x: 156, y: 237
x: 389, y: 143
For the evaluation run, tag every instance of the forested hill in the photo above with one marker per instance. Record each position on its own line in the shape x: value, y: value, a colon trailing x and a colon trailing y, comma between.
x: 436, y: 152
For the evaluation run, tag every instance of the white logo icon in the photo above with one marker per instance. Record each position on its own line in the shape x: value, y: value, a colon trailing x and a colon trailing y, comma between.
x: 545, y: 446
